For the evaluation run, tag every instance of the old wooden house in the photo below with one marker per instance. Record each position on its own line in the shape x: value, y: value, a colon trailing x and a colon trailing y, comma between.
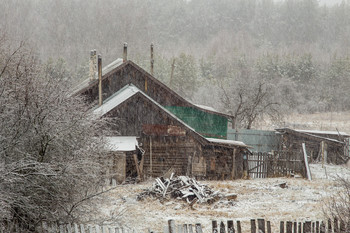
x: 174, y: 135
x: 329, y: 146
x: 169, y: 144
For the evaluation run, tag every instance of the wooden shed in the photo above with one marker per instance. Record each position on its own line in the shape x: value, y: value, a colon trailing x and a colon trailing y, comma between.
x: 332, y: 146
x: 169, y: 144
x: 205, y: 120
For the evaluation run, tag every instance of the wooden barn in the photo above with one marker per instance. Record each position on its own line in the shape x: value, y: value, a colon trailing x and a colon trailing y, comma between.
x: 169, y: 144
x: 329, y: 146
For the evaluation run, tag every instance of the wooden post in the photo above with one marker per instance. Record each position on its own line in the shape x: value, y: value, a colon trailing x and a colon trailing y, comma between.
x: 222, y: 227
x: 268, y: 227
x: 125, y: 52
x: 214, y: 226
x: 172, y: 73
x: 92, y: 65
x: 289, y: 227
x: 317, y: 226
x: 252, y: 226
x: 150, y: 156
x: 230, y: 227
x: 261, y: 225
x: 233, y: 170
x: 190, y: 228
x: 137, y: 166
x: 198, y: 228
x: 299, y: 227
x: 307, y: 227
x: 281, y: 227
x: 171, y: 226
x: 322, y: 153
x: 308, y: 172
x: 99, y: 64
x: 239, y: 228
x: 152, y: 59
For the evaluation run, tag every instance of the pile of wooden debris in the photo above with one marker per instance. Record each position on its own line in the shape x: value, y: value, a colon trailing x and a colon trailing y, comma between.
x: 181, y: 187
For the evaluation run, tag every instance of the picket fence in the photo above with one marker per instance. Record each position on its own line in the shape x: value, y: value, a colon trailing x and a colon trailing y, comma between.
x: 256, y: 226
x: 263, y: 226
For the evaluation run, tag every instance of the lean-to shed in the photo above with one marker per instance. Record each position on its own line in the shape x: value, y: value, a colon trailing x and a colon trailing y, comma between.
x: 331, y: 145
x: 169, y: 144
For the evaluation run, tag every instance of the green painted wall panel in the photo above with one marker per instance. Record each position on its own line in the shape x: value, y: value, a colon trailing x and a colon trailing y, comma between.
x: 261, y: 140
x: 207, y: 124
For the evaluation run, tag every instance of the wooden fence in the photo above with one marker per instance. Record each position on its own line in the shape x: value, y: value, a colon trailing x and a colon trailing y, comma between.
x: 67, y: 228
x: 263, y: 226
x: 256, y: 226
x: 275, y: 164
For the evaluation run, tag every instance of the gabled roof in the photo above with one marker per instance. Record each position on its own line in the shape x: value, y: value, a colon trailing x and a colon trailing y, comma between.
x: 118, y: 65
x: 130, y: 91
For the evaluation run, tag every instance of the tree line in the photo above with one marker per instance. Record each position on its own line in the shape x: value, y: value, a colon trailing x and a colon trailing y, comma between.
x: 279, y: 56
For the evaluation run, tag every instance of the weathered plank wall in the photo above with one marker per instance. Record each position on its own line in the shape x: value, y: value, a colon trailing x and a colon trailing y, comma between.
x: 165, y: 154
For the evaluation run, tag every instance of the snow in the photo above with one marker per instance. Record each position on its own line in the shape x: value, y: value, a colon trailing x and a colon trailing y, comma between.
x: 121, y: 143
x: 229, y: 142
x: 322, y: 132
x: 111, y: 66
x: 257, y: 198
x: 206, y: 107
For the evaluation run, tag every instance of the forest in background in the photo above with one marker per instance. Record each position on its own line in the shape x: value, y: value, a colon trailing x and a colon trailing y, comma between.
x: 250, y: 58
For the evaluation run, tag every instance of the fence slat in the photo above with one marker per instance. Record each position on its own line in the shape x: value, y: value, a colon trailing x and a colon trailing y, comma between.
x: 222, y: 227
x: 268, y: 227
x: 261, y: 225
x: 239, y: 228
x: 185, y: 229
x: 307, y: 227
x: 198, y: 228
x: 252, y: 226
x: 289, y: 226
x: 230, y: 227
x: 214, y: 226
x: 281, y: 227
x: 171, y: 225
x: 82, y: 228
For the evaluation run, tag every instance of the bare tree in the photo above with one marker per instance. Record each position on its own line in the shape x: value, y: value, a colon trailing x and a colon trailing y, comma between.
x: 247, y: 97
x: 50, y: 149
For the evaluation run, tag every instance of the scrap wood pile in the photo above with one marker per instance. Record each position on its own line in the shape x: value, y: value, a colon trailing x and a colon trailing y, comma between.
x: 180, y: 187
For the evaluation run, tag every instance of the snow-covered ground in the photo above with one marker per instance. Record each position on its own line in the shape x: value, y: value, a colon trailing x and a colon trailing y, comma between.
x: 257, y: 198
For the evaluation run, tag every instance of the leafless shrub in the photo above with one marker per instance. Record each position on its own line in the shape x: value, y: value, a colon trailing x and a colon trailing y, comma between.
x: 338, y: 205
x: 50, y: 149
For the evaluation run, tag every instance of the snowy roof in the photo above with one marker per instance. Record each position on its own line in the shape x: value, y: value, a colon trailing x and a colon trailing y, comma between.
x: 121, y: 143
x: 116, y: 99
x: 323, y: 132
x: 206, y: 107
x: 228, y: 142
